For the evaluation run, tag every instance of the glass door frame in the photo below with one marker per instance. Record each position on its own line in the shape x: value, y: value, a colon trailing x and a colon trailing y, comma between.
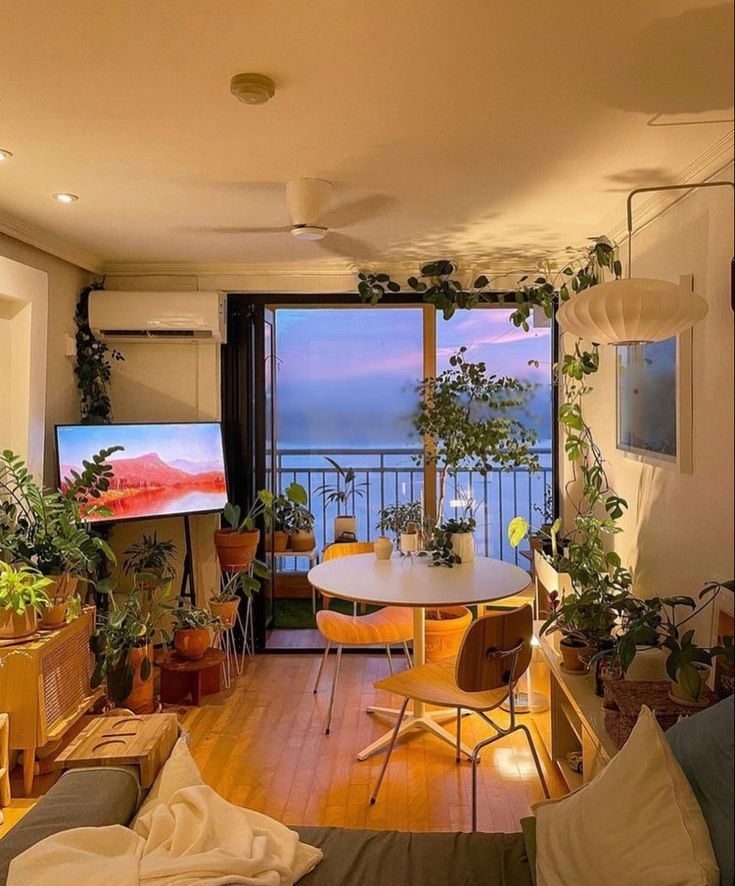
x: 243, y: 406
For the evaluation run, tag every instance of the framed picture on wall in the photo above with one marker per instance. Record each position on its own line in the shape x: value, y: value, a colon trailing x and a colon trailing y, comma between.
x: 654, y: 400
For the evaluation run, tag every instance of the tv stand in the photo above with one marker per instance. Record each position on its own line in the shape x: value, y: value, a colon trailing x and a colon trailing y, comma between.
x: 188, y: 588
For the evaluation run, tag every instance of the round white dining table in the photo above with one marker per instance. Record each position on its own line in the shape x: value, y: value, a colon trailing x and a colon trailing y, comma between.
x: 413, y: 582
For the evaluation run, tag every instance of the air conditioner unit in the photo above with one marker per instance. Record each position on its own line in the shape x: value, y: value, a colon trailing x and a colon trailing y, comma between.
x: 157, y: 315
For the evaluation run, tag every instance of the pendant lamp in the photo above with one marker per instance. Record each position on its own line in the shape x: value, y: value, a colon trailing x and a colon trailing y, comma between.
x: 635, y: 310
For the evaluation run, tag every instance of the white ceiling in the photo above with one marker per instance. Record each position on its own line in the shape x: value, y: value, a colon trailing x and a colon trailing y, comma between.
x: 480, y: 129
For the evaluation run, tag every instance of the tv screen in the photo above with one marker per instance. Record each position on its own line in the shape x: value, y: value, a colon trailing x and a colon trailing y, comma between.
x: 163, y: 469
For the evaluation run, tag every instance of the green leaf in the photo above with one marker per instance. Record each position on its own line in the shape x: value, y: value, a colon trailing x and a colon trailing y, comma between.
x: 518, y: 529
x: 690, y: 681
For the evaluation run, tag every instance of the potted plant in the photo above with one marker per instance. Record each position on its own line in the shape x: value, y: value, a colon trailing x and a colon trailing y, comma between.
x: 193, y: 631
x: 396, y: 519
x: 301, y: 529
x: 224, y: 604
x: 468, y: 415
x: 22, y: 597
x: 343, y: 492
x: 445, y: 628
x: 123, y: 642
x: 584, y: 619
x: 151, y: 556
x: 461, y: 540
x: 47, y: 529
x: 237, y: 543
x: 689, y: 667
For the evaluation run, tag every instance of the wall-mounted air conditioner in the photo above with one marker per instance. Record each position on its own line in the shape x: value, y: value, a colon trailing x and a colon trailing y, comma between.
x: 157, y: 315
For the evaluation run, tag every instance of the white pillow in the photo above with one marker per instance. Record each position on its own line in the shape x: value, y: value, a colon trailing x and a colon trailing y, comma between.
x: 637, y: 822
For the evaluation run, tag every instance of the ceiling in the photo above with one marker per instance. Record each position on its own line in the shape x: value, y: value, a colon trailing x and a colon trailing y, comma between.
x: 483, y: 130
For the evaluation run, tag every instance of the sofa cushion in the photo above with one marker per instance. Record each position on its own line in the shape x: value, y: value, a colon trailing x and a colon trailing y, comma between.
x: 385, y: 858
x: 80, y: 798
x: 704, y: 745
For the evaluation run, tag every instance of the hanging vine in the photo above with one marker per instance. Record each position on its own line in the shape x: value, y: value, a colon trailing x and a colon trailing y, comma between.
x: 93, y: 367
x: 597, y: 508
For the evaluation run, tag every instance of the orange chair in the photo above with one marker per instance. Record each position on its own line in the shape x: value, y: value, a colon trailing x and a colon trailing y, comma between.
x: 392, y: 625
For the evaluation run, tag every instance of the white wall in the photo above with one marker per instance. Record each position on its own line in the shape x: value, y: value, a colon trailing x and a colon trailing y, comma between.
x: 64, y: 283
x: 23, y: 332
x: 678, y: 532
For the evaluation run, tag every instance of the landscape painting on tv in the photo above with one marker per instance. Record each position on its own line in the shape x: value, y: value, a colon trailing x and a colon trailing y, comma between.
x: 163, y: 469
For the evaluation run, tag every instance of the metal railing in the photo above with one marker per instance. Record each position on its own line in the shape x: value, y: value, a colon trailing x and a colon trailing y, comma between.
x: 393, y: 476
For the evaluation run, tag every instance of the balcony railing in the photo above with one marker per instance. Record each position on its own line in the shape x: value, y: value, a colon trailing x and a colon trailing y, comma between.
x: 392, y: 476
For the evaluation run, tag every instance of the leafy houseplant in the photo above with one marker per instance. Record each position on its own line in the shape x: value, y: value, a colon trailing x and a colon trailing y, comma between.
x: 466, y: 417
x: 585, y: 619
x: 344, y: 492
x: 396, y: 518
x: 281, y: 515
x: 123, y: 642
x: 150, y: 555
x: 689, y: 665
x: 192, y: 631
x: 237, y: 544
x: 301, y: 528
x: 46, y: 529
x: 93, y: 369
x: 22, y: 597
x: 224, y: 603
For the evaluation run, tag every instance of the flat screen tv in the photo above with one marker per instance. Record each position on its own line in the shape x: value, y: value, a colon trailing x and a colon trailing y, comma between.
x: 163, y: 469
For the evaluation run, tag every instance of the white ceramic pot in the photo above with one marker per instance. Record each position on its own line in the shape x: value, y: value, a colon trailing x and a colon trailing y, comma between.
x: 383, y: 547
x: 649, y: 664
x: 463, y: 545
x: 409, y: 542
x: 345, y: 524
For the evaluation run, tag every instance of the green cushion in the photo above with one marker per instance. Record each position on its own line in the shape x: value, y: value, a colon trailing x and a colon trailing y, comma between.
x: 704, y: 745
x: 528, y: 826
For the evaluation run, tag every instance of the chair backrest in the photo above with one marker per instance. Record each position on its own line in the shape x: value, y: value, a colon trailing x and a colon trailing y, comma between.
x: 480, y: 663
x: 347, y: 549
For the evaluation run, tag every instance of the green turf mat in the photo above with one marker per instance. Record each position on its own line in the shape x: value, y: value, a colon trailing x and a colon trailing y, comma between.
x: 296, y: 612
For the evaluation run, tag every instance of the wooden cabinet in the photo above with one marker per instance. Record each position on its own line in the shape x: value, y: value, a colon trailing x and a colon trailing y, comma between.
x: 44, y: 687
x: 575, y: 720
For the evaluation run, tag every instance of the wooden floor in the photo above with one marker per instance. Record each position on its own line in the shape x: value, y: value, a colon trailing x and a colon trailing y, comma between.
x: 261, y: 744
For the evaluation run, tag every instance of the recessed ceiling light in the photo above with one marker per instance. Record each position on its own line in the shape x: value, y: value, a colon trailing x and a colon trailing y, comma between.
x: 65, y: 198
x: 253, y: 89
x: 5, y: 155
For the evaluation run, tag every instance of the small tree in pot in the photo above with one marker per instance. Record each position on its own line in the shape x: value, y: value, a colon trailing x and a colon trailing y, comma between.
x: 465, y: 416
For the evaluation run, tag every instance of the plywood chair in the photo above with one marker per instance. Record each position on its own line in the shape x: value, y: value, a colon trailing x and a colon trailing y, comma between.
x: 392, y: 625
x: 495, y: 652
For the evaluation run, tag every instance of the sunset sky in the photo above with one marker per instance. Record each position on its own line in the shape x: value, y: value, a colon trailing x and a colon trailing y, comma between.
x: 346, y: 377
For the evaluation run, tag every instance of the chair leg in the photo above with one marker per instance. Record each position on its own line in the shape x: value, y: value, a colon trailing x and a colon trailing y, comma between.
x: 407, y: 654
x: 334, y: 687
x: 474, y: 789
x: 536, y: 760
x: 321, y: 666
x: 390, y: 659
x: 396, y: 728
x: 459, y: 736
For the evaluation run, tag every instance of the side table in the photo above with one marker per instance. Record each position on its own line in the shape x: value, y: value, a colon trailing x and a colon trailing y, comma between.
x: 181, y: 677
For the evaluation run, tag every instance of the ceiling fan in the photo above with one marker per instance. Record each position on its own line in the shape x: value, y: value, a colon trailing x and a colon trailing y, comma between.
x: 309, y: 205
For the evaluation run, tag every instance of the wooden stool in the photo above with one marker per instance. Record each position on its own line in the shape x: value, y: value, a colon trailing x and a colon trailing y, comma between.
x: 145, y: 741
x: 181, y: 677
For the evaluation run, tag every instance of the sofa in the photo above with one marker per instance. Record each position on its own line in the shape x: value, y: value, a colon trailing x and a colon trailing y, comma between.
x: 99, y: 797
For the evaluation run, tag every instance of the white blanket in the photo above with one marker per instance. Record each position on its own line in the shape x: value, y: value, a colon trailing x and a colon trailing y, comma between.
x: 183, y: 836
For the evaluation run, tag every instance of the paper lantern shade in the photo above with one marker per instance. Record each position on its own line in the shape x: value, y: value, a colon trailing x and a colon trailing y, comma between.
x: 631, y: 311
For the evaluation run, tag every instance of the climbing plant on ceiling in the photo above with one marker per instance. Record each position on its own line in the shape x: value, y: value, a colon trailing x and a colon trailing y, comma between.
x: 93, y: 368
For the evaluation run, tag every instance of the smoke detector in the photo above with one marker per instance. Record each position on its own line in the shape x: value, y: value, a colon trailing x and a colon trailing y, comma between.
x: 252, y: 89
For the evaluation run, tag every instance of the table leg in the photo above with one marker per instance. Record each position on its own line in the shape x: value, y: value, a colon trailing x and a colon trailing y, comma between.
x: 29, y: 769
x: 419, y: 718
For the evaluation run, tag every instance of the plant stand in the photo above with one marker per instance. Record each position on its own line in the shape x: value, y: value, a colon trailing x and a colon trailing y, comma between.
x: 181, y: 677
x: 225, y: 639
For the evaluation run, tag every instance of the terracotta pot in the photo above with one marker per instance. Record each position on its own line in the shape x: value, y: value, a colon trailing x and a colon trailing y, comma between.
x: 236, y: 550
x: 192, y: 643
x: 226, y: 612
x: 17, y: 627
x: 444, y: 635
x: 463, y: 545
x: 140, y: 699
x: 575, y: 658
x: 303, y: 540
x: 383, y: 547
x: 55, y: 616
x: 277, y: 542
